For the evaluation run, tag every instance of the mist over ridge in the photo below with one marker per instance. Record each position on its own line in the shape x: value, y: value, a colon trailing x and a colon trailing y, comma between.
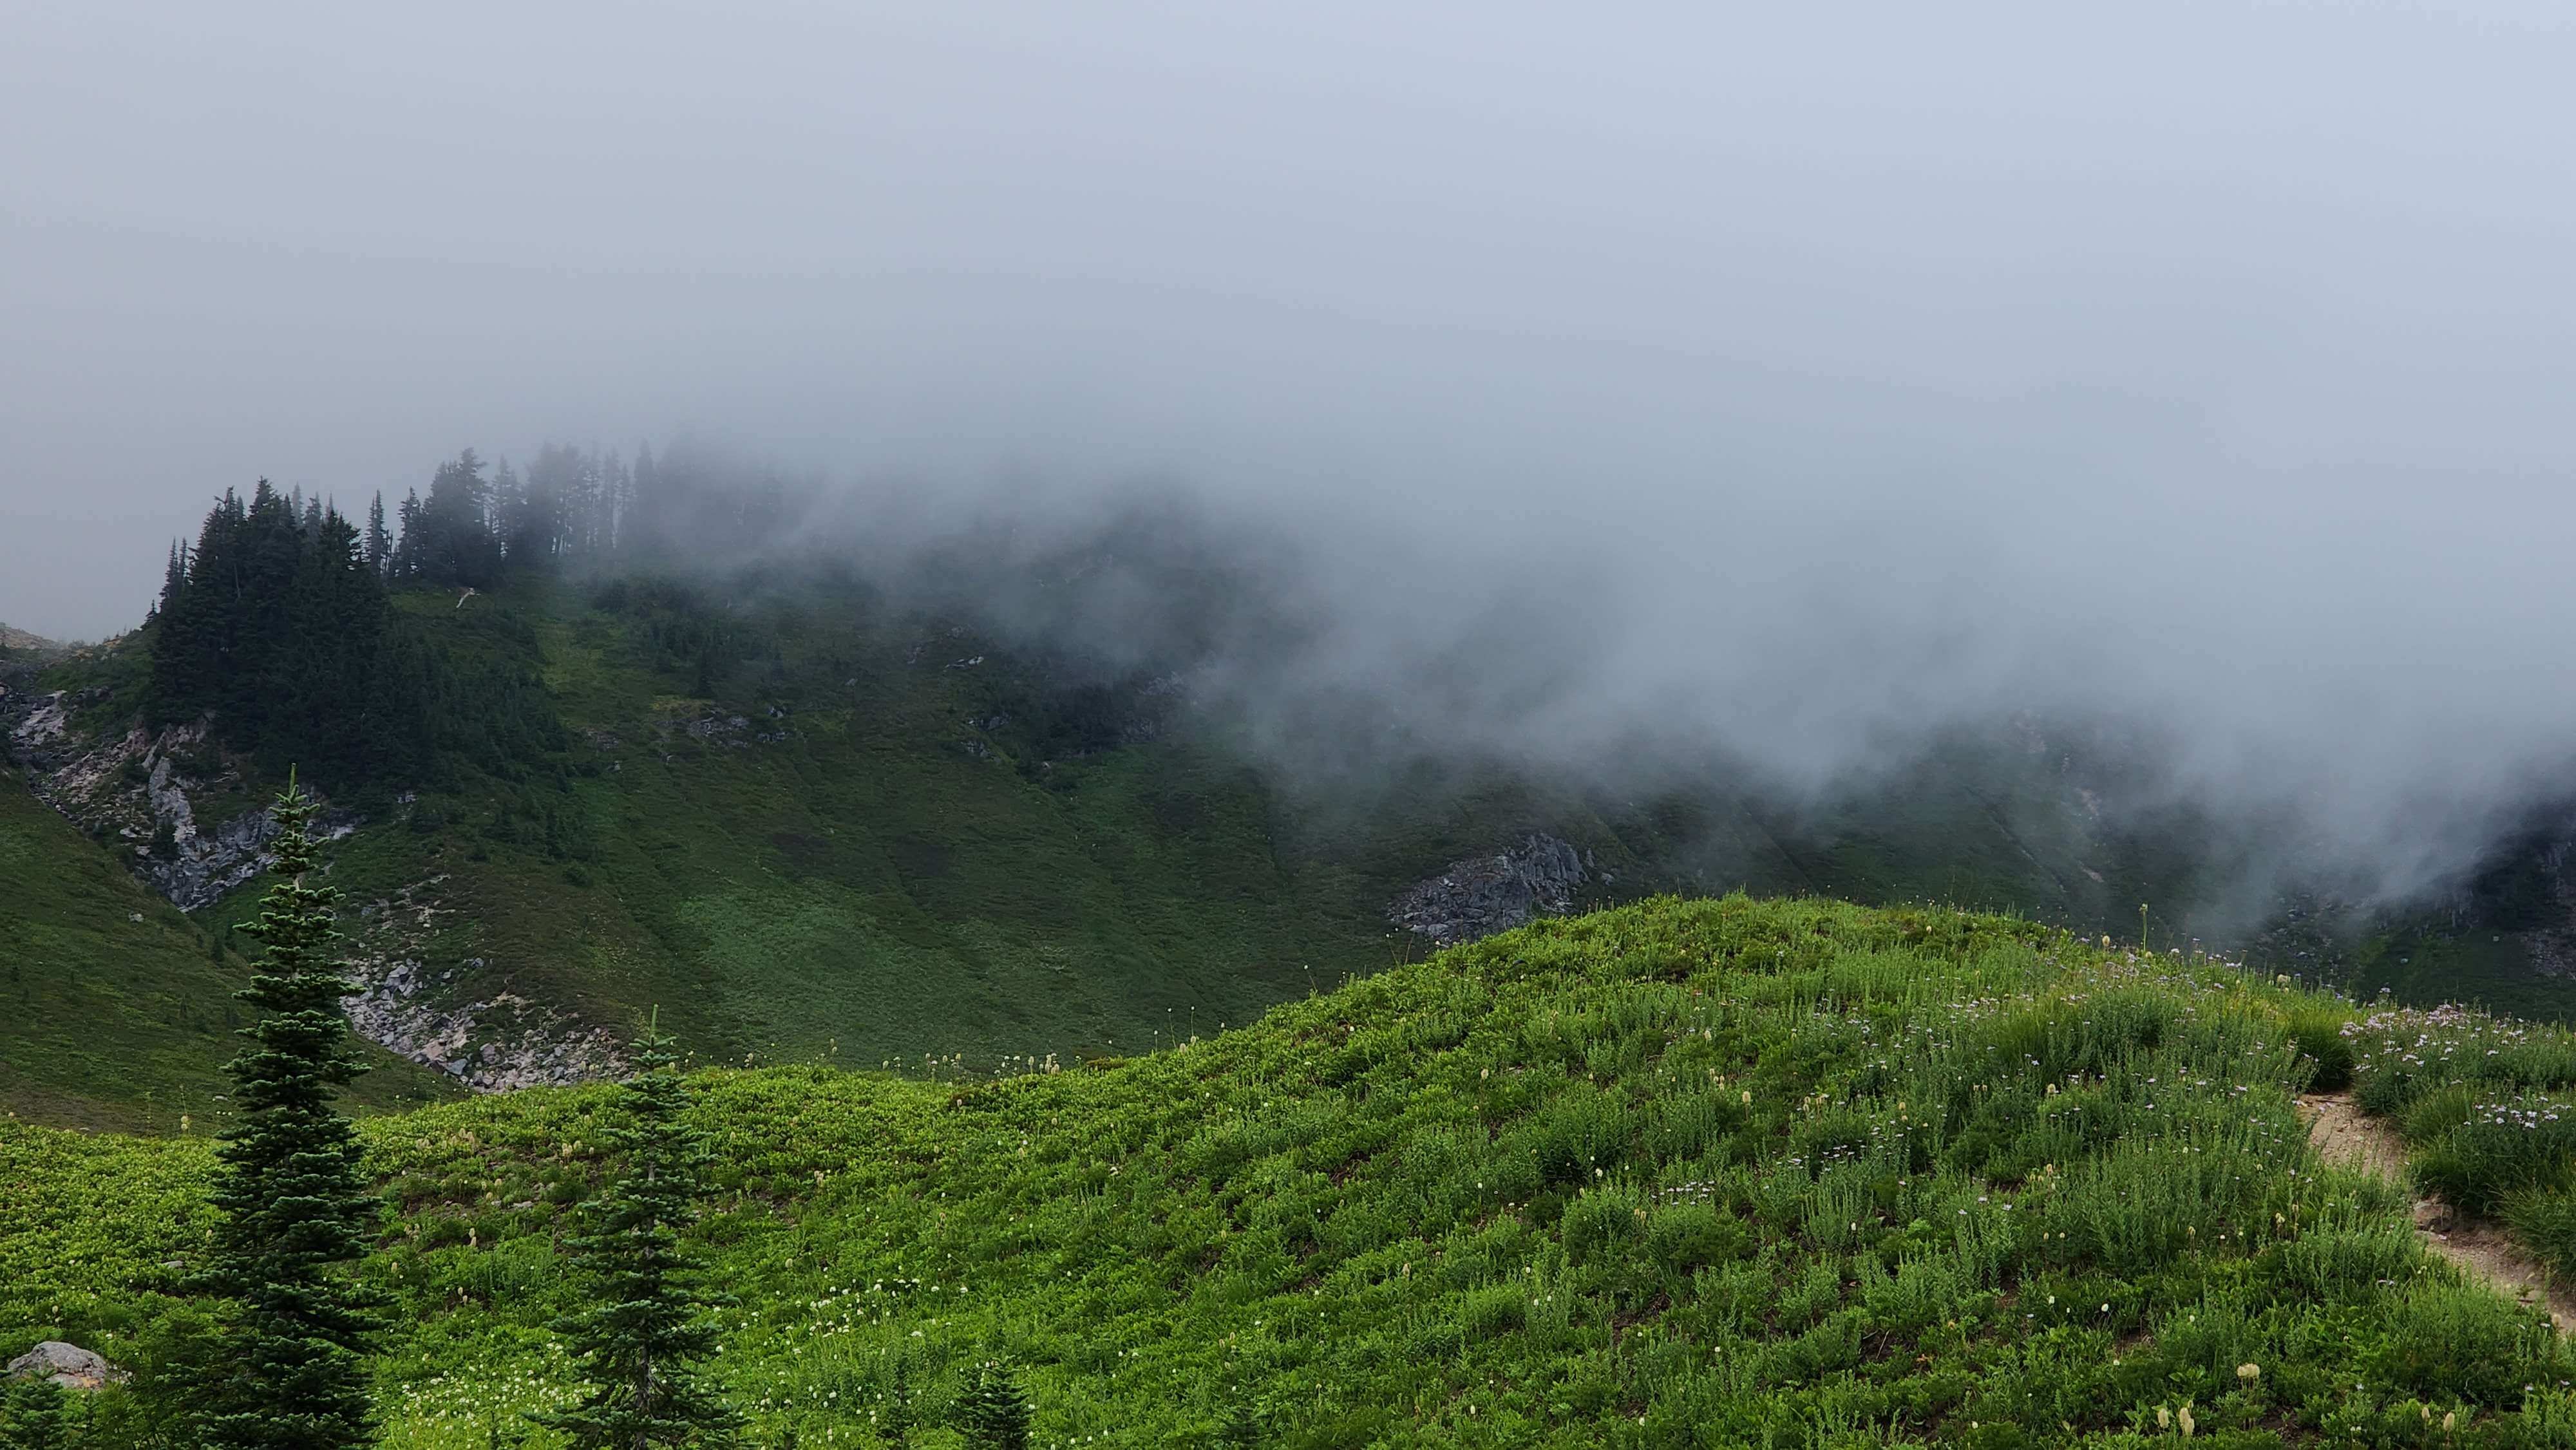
x: 1791, y: 392
x: 1585, y: 637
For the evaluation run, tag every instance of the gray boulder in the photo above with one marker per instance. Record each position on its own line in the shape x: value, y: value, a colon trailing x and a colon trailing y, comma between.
x: 67, y: 1365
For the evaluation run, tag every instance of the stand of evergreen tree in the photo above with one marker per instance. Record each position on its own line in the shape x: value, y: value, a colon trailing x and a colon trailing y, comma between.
x: 642, y: 1342
x: 291, y: 1373
x: 275, y: 624
x: 994, y: 1411
x: 279, y: 624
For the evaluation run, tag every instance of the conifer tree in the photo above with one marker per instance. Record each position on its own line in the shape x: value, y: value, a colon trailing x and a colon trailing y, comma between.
x: 994, y: 1411
x: 292, y: 1371
x: 642, y: 1342
x: 35, y: 1414
x: 895, y: 1425
x: 380, y: 545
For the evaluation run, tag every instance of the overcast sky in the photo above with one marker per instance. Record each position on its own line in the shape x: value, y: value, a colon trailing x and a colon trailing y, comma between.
x: 1902, y: 355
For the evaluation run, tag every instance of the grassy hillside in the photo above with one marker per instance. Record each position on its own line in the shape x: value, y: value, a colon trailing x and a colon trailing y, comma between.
x: 822, y: 853
x: 813, y: 826
x: 1710, y: 1173
x: 838, y: 840
x: 114, y: 1012
x: 818, y: 827
x: 870, y: 833
x: 133, y: 1008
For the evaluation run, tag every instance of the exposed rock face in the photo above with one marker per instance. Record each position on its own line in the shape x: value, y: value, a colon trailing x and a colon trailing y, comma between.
x: 460, y: 1020
x: 67, y: 1365
x: 138, y: 786
x: 133, y: 787
x: 1482, y: 895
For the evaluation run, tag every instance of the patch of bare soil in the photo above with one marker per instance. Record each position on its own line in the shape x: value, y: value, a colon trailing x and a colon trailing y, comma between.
x: 2348, y: 1138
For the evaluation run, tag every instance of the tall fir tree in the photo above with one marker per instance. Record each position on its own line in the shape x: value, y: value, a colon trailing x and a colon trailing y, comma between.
x: 642, y: 1342
x: 994, y: 1411
x: 380, y: 545
x: 174, y: 578
x: 404, y: 562
x: 292, y: 1206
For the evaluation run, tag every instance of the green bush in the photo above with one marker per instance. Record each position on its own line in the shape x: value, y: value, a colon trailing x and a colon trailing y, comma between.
x: 2319, y: 1036
x: 2545, y: 1219
x: 1604, y: 1222
x: 1688, y: 1237
x: 2508, y: 1147
x: 2448, y: 1340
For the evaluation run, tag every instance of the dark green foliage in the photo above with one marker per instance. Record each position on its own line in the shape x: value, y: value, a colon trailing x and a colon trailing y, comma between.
x: 2547, y: 1222
x: 994, y: 1411
x: 894, y: 1422
x: 448, y: 539
x: 379, y: 544
x: 675, y: 626
x: 292, y: 1208
x: 1238, y: 1427
x: 487, y: 705
x: 2450, y: 1341
x: 276, y: 625
x: 2320, y: 1039
x: 35, y: 1414
x: 641, y: 1340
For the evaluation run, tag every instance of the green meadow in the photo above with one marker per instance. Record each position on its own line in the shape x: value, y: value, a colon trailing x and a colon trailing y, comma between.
x: 1685, y: 1173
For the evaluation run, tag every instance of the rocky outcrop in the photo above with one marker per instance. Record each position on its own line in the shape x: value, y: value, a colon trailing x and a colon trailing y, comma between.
x: 461, y: 1019
x: 143, y: 787
x: 68, y: 1365
x: 1482, y: 895
x: 710, y: 726
x: 150, y: 789
x: 16, y: 642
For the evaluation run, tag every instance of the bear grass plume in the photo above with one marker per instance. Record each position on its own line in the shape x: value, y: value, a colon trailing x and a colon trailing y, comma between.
x: 1691, y: 1173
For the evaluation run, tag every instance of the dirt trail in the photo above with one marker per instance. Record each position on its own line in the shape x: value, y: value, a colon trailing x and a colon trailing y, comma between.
x: 2348, y: 1138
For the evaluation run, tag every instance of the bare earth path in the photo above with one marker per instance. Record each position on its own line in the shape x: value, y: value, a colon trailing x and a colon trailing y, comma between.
x: 2346, y: 1137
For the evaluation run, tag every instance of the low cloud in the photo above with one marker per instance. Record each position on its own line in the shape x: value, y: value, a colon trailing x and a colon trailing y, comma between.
x: 1582, y: 392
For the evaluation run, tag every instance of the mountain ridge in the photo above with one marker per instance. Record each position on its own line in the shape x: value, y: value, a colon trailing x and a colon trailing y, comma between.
x: 814, y: 813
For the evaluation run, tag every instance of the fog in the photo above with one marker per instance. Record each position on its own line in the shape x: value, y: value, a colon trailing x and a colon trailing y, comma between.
x: 1801, y: 378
